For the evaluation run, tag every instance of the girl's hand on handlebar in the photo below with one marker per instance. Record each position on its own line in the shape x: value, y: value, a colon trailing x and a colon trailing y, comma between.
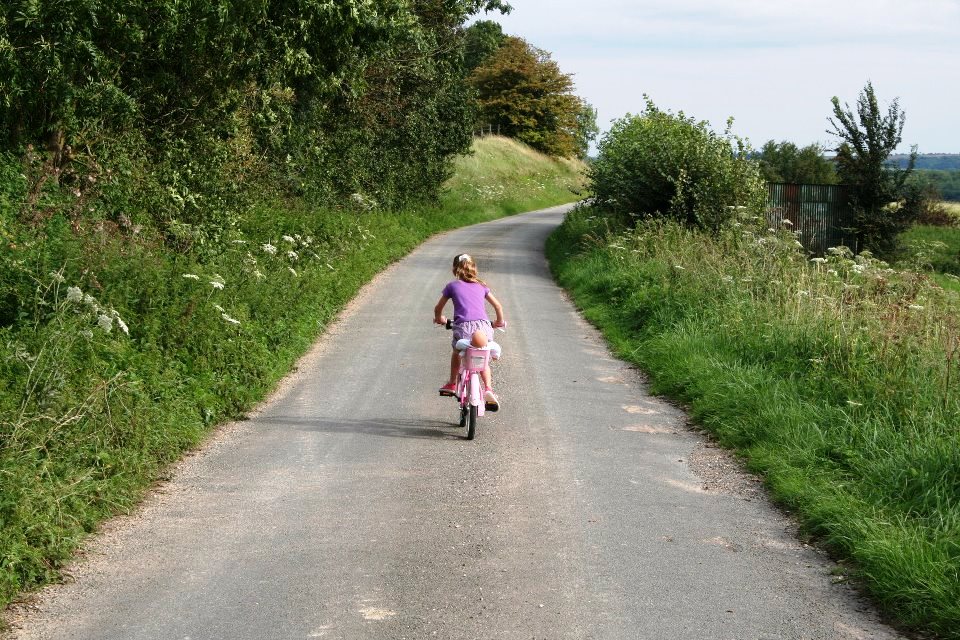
x: 440, y: 320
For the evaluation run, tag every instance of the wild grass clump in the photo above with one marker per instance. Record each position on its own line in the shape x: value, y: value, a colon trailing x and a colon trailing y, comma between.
x: 117, y: 352
x: 838, y: 378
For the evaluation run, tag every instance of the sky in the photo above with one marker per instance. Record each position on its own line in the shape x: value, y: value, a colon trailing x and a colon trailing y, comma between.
x: 771, y: 65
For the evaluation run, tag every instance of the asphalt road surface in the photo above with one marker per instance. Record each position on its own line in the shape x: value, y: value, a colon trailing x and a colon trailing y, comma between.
x: 351, y: 506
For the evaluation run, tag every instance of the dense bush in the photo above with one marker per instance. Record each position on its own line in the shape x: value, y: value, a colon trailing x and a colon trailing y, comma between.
x: 662, y: 164
x: 172, y: 113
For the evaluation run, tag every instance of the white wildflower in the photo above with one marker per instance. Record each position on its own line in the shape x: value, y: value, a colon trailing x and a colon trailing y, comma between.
x: 239, y: 242
x: 216, y: 284
x: 293, y: 255
x: 916, y: 307
x: 229, y: 319
x: 787, y: 222
x: 832, y: 272
x: 798, y: 244
x: 191, y: 276
x: 330, y: 266
x: 91, y: 302
x: 105, y: 322
x: 772, y: 230
x: 258, y: 275
x: 727, y: 278
x: 268, y: 248
x: 74, y: 295
x: 123, y: 325
x: 858, y: 268
x: 680, y: 267
x: 56, y: 276
x: 288, y: 239
x: 818, y: 260
x: 293, y: 271
x: 219, y: 308
x: 86, y: 333
x: 803, y: 293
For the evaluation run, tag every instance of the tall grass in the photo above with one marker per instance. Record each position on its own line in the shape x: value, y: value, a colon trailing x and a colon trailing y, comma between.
x: 118, y: 354
x: 837, y: 378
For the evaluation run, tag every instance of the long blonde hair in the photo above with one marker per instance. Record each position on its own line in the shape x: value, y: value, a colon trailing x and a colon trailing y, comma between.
x: 464, y: 268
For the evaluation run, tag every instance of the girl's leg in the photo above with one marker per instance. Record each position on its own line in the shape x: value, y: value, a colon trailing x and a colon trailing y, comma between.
x: 454, y: 366
x: 487, y: 378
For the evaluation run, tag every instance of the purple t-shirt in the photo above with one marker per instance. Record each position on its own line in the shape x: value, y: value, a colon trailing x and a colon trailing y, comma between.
x: 467, y: 299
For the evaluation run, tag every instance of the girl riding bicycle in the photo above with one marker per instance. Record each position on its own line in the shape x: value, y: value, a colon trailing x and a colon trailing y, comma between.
x: 468, y: 293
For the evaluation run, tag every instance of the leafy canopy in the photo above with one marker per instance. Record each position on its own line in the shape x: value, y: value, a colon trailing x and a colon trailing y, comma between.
x: 786, y: 162
x: 663, y: 164
x: 884, y: 203
x: 523, y: 93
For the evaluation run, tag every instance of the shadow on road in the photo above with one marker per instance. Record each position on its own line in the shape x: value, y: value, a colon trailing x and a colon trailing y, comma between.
x: 382, y: 427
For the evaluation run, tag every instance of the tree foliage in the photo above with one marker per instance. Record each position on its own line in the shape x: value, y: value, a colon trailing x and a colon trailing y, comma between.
x: 786, y: 162
x: 523, y: 93
x: 482, y: 39
x: 200, y: 100
x: 884, y: 203
x: 669, y: 165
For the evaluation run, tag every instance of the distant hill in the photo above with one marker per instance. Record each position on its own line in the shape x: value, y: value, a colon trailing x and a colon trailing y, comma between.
x: 941, y: 161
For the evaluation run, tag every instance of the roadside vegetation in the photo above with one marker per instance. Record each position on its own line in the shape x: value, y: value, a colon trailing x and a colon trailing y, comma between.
x: 835, y: 377
x: 188, y: 194
x: 123, y: 354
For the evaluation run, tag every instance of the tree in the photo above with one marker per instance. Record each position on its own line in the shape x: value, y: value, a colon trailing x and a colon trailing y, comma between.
x: 786, y: 162
x: 587, y: 129
x: 660, y: 164
x: 884, y: 204
x: 480, y: 40
x: 521, y: 91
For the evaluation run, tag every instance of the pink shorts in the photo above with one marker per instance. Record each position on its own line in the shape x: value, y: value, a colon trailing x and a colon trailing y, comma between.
x: 466, y: 330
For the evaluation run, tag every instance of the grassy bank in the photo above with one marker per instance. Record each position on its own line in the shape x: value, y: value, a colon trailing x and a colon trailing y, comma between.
x: 837, y: 379
x: 121, y: 354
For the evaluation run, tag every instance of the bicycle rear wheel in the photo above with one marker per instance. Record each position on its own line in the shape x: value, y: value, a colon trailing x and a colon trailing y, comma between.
x: 463, y: 415
x: 472, y: 422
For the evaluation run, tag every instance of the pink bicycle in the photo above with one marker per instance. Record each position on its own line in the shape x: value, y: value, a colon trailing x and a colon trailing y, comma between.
x: 470, y: 388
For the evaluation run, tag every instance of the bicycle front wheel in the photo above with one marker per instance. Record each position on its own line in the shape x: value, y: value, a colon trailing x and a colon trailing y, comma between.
x: 472, y: 422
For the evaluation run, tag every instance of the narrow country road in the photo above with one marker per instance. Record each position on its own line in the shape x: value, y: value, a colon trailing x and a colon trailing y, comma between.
x: 350, y: 506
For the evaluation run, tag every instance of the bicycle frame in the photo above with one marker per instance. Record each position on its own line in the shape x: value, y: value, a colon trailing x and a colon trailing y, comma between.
x: 470, y: 387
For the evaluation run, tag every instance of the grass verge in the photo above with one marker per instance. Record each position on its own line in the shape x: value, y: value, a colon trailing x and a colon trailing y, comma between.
x: 117, y: 354
x: 835, y: 378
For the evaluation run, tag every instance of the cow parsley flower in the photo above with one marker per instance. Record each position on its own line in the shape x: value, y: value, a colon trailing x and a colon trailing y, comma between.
x: 229, y: 319
x: 216, y: 284
x: 105, y: 322
x: 288, y: 239
x: 74, y: 295
x: 293, y: 271
x: 269, y: 248
x: 293, y: 255
x: 191, y: 276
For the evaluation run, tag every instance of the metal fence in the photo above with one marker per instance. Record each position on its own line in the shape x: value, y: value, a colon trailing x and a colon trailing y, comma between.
x: 820, y: 212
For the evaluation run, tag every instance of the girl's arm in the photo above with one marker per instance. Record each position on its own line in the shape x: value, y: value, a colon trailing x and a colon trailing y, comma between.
x: 500, y: 321
x: 438, y: 311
